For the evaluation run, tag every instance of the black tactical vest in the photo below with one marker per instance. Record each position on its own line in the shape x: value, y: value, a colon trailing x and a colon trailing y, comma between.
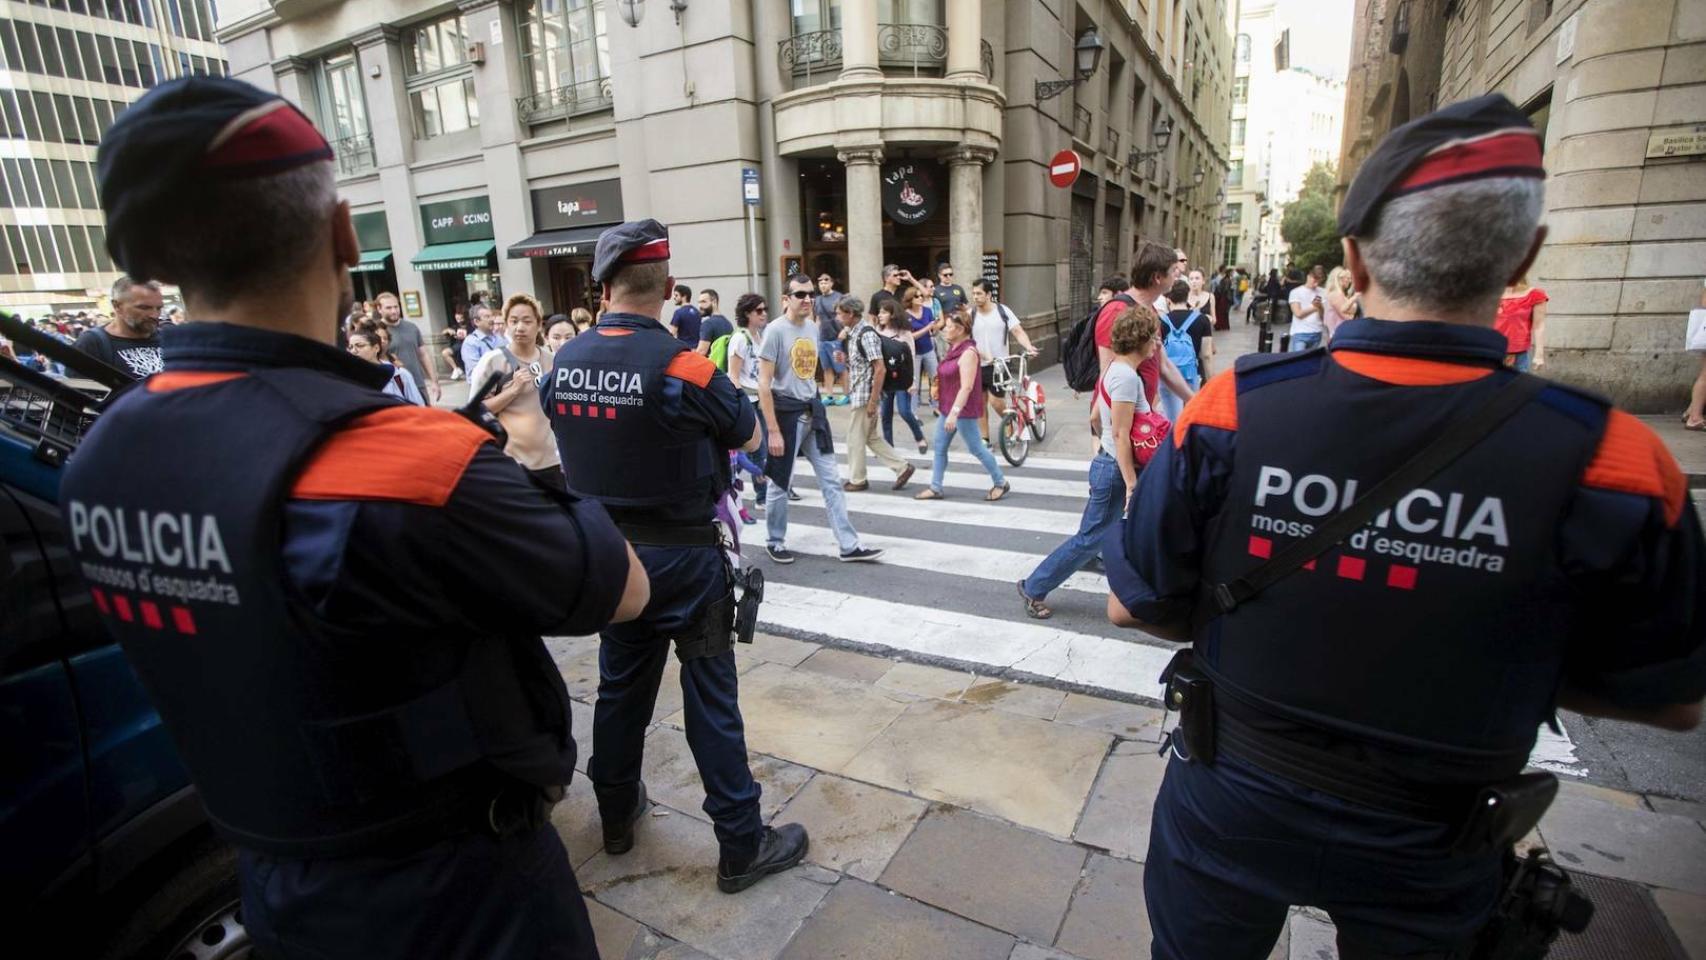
x: 303, y: 737
x: 1435, y: 636
x: 605, y: 407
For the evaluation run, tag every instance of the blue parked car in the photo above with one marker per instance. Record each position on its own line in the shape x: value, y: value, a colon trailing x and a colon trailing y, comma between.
x: 107, y: 851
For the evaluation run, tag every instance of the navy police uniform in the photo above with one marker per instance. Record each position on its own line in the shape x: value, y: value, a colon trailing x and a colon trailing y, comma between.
x: 335, y: 600
x: 644, y: 425
x: 1361, y: 702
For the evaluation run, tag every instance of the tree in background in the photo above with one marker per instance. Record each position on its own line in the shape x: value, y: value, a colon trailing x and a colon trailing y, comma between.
x: 1309, y: 227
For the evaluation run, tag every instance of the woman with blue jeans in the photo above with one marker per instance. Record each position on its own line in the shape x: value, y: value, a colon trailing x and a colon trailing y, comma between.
x: 960, y: 394
x: 1113, y: 474
x: 892, y: 323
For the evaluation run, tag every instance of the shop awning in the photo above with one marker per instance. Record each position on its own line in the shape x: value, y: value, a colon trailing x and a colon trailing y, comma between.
x: 578, y: 242
x: 372, y: 261
x: 467, y: 255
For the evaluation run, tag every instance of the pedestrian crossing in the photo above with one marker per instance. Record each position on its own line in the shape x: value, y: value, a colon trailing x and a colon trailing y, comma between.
x: 945, y: 586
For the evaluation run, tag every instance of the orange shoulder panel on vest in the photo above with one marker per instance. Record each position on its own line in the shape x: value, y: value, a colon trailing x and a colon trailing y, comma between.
x: 171, y: 380
x: 1632, y: 459
x: 1215, y: 405
x: 406, y: 454
x: 692, y: 367
x: 1408, y: 371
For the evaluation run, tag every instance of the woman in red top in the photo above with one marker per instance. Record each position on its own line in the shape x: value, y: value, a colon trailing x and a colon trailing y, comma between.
x: 1522, y: 319
x: 960, y: 394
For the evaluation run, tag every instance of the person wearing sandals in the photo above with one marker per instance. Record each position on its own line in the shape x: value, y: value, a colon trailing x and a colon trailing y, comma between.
x: 1695, y: 418
x: 1113, y: 474
x: 960, y: 395
x: 896, y: 325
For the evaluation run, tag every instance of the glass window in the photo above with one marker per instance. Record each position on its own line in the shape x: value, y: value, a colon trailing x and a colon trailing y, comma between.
x: 17, y: 262
x: 62, y: 248
x: 1243, y: 48
x: 565, y: 43
x: 810, y: 16
x: 344, y: 111
x: 49, y: 40
x: 9, y: 46
x: 79, y: 244
x: 89, y: 57
x: 1237, y: 133
x: 910, y: 11
x: 446, y: 107
x: 436, y: 45
x: 83, y: 181
x: 1235, y: 212
x: 1235, y: 176
x: 147, y: 75
x: 98, y: 244
x: 1241, y: 90
x: 11, y: 120
x: 47, y: 121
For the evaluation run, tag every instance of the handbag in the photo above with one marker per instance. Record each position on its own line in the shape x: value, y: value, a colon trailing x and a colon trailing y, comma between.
x: 1148, y: 429
x: 1696, y: 341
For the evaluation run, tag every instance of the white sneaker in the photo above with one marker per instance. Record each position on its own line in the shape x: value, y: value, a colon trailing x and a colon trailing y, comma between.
x: 456, y: 374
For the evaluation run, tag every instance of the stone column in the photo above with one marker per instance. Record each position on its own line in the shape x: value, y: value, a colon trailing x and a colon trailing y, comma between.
x: 965, y: 210
x: 965, y: 28
x: 290, y: 77
x: 859, y: 42
x: 864, y: 217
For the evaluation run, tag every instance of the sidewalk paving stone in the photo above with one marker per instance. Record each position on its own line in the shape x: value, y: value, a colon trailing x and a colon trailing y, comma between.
x: 989, y: 871
x: 855, y: 827
x: 1612, y: 840
x: 577, y: 660
x: 580, y: 724
x: 576, y: 820
x: 1032, y: 772
x: 861, y: 922
x: 1030, y: 951
x: 921, y: 681
x: 847, y: 665
x: 1032, y: 701
x: 1117, y: 817
x: 1686, y: 913
x: 618, y: 935
x: 672, y: 778
x: 1679, y: 808
x: 1128, y: 720
x: 810, y: 718
x: 773, y: 649
x: 1107, y: 920
x: 668, y: 882
x: 1311, y: 939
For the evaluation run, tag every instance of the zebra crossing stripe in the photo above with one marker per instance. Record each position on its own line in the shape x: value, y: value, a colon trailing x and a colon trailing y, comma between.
x: 969, y: 510
x: 982, y: 563
x: 959, y: 477
x: 1123, y: 666
x: 1035, y: 463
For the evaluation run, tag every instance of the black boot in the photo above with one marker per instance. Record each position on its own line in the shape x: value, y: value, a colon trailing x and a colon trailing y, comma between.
x: 778, y: 849
x: 619, y: 830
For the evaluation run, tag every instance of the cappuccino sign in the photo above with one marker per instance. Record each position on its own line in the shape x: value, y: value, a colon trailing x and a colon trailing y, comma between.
x: 453, y: 221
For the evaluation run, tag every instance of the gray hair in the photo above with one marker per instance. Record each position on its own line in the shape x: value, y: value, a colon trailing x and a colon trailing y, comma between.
x: 1453, y: 248
x: 124, y: 284
x: 228, y: 239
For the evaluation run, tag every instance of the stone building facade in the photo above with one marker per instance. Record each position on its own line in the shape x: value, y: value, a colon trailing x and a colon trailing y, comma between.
x: 1618, y: 88
x: 484, y: 144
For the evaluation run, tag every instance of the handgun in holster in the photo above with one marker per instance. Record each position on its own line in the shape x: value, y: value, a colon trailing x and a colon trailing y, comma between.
x: 751, y: 582
x: 1190, y: 692
x: 1537, y: 901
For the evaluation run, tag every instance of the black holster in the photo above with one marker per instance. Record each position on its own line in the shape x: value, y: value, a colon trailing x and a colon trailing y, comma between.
x: 714, y: 634
x: 1536, y: 903
x: 1190, y: 692
x: 751, y: 583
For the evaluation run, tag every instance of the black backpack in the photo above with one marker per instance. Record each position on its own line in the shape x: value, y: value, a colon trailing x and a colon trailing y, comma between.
x: 897, y: 363
x: 1078, y: 356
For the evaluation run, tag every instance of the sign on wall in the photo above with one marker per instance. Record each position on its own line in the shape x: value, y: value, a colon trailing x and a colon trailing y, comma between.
x: 372, y: 230
x: 577, y: 205
x: 1687, y: 141
x: 453, y: 221
x: 992, y: 271
x: 910, y: 191
x: 412, y: 303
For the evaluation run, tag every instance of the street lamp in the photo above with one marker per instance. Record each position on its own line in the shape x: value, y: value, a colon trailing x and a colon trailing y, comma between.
x: 1163, y: 134
x: 1087, y: 55
x: 1197, y: 178
x: 632, y: 11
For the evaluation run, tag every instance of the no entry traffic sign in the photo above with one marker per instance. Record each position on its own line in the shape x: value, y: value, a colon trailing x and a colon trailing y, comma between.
x: 1063, y: 168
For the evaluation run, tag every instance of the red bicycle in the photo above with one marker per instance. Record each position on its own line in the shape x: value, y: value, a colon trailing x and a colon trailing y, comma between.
x: 1026, y: 418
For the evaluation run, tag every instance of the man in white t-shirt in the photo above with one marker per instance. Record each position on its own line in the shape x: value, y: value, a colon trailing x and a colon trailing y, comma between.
x: 990, y: 323
x: 1307, y: 302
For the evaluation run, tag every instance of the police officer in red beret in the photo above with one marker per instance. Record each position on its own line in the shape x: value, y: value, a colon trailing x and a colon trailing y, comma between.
x: 1394, y: 559
x: 282, y: 551
x: 644, y: 425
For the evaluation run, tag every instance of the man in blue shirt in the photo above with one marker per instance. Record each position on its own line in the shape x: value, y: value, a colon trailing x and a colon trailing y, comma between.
x: 483, y: 340
x: 686, y: 318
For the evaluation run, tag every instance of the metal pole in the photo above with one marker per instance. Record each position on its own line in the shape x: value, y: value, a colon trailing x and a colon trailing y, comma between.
x: 752, y: 247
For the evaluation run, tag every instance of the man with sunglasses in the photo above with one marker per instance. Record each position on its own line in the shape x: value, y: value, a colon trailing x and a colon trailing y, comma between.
x: 947, y: 291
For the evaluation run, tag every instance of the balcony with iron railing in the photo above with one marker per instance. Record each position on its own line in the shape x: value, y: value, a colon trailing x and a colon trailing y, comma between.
x: 903, y: 50
x: 570, y: 100
x: 354, y: 155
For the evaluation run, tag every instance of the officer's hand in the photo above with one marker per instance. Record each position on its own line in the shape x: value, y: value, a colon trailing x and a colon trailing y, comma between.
x: 775, y: 445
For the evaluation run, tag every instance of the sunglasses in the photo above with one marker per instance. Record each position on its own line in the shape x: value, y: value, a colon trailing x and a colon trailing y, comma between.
x: 801, y: 294
x: 947, y: 273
